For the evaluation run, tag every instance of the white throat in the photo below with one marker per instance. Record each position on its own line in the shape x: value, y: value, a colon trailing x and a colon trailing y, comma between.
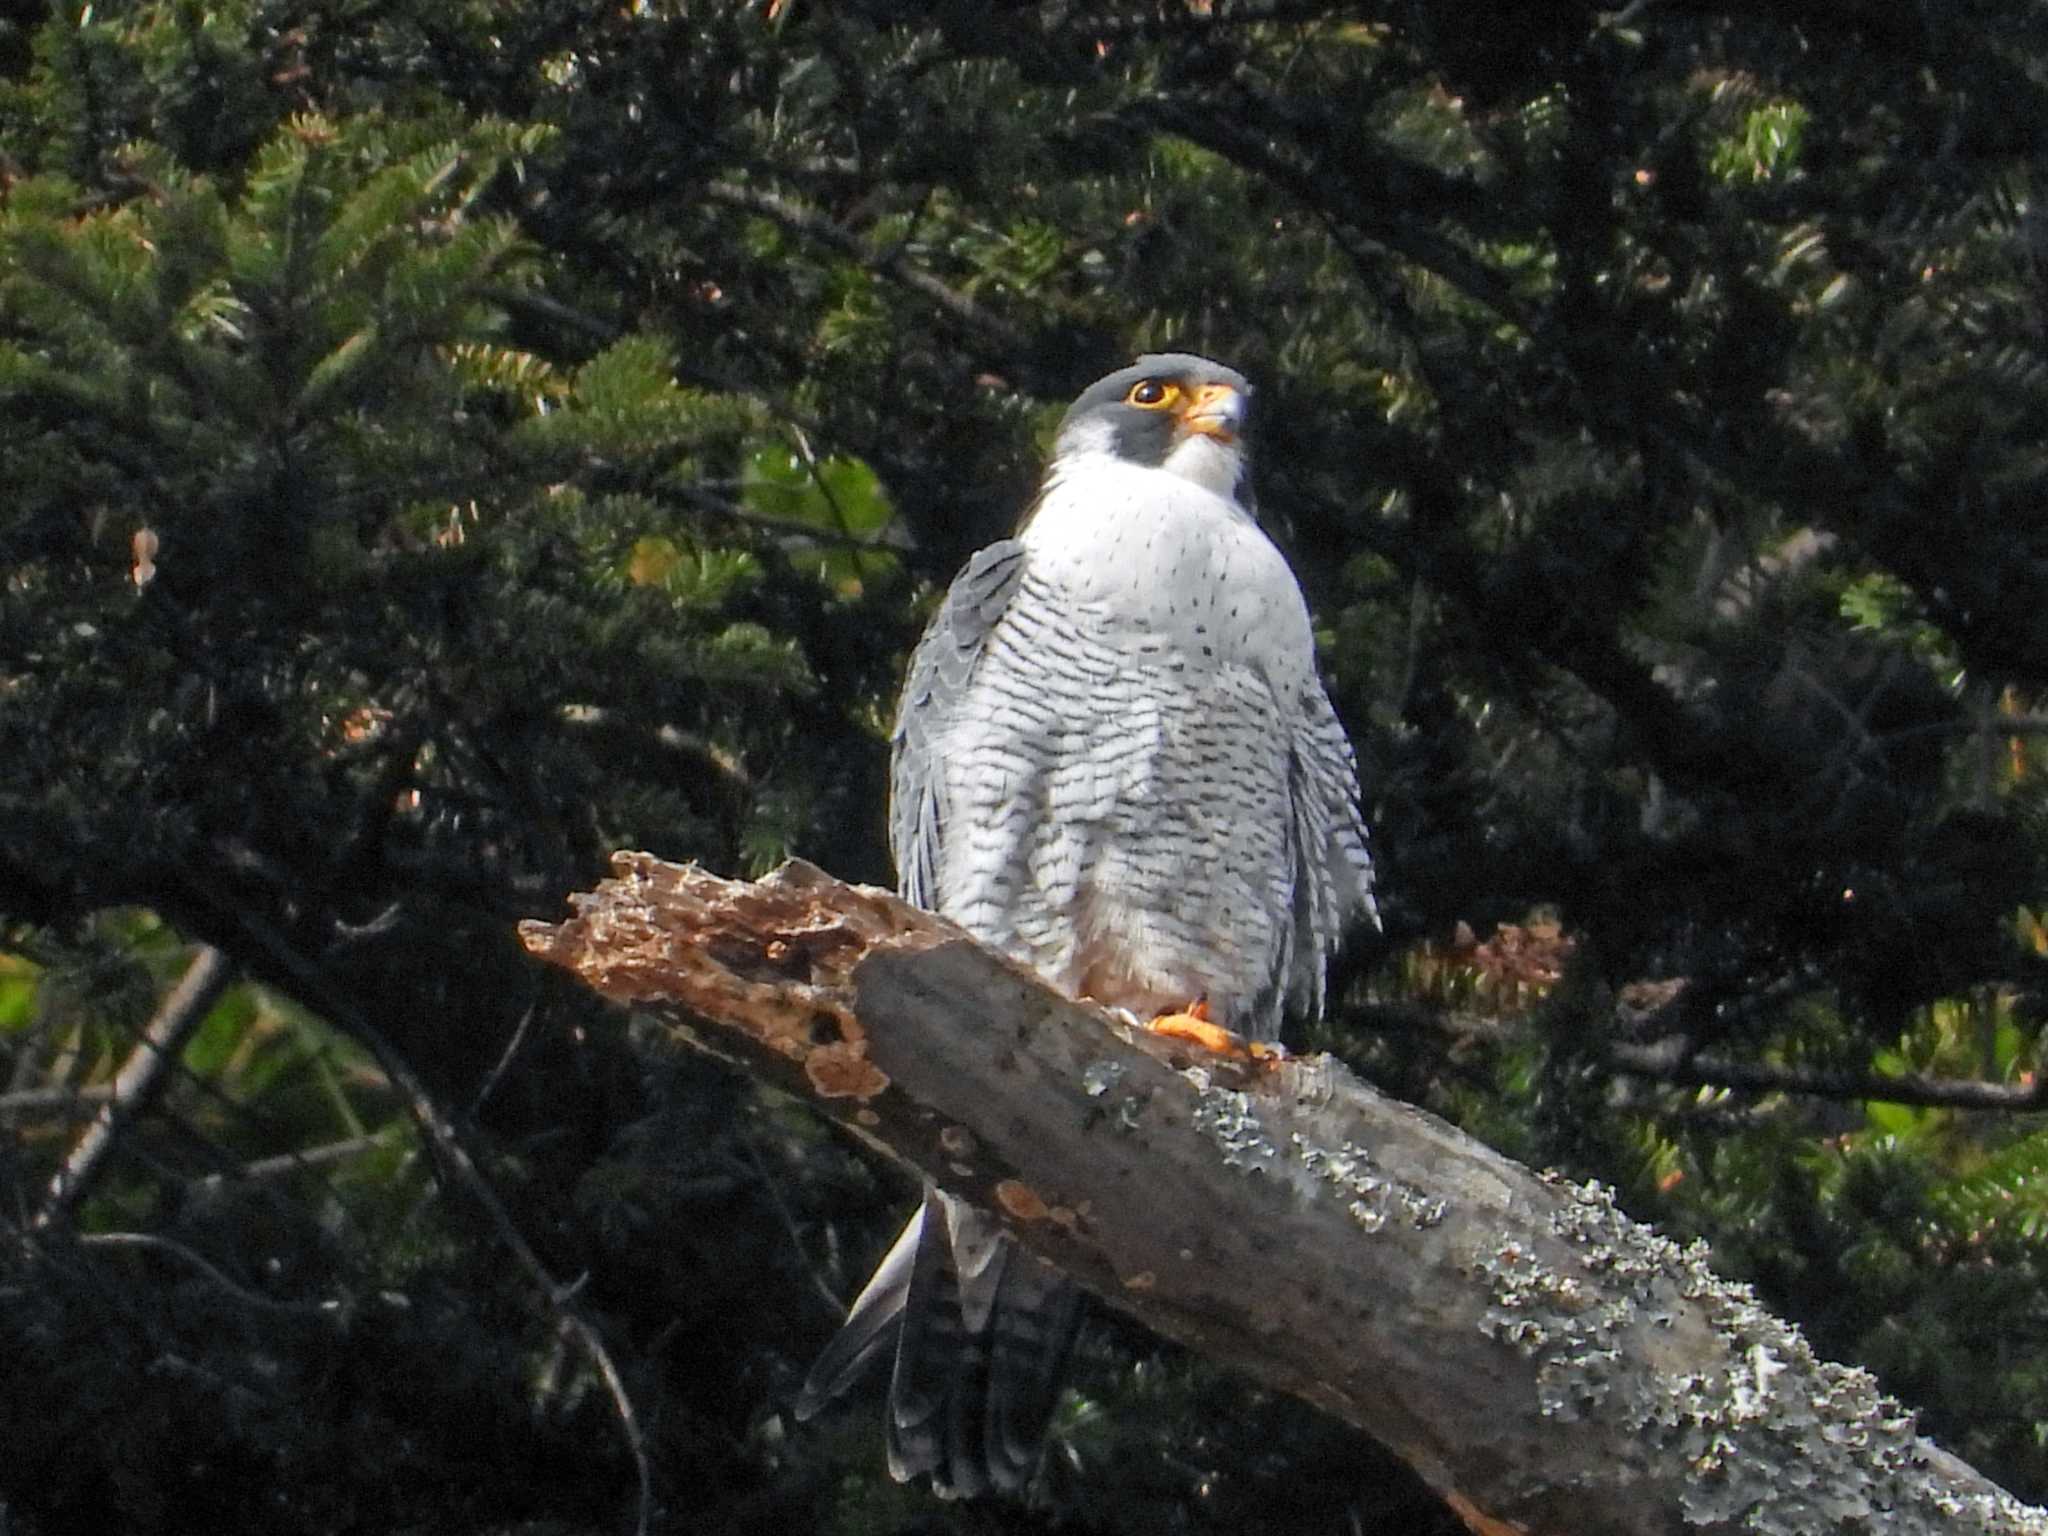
x: 1213, y: 465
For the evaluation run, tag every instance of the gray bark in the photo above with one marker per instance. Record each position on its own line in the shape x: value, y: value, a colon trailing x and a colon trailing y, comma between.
x: 140, y: 1080
x: 1548, y: 1364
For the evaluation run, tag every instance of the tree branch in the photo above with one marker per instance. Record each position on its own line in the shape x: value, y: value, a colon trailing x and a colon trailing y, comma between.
x: 71, y: 1100
x: 137, y: 1083
x: 1674, y: 1058
x: 194, y: 1260
x: 456, y: 1162
x: 1366, y: 196
x: 1671, y: 1061
x: 1537, y: 1356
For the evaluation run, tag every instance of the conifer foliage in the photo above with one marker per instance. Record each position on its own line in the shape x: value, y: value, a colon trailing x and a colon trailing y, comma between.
x: 446, y: 442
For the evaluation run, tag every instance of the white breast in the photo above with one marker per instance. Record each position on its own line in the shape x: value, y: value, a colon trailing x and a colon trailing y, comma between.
x: 1168, y: 559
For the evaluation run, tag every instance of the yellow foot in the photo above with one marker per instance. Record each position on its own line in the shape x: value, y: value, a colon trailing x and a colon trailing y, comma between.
x: 1194, y: 1026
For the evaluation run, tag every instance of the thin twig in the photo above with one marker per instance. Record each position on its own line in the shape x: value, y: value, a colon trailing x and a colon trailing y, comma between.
x: 453, y: 1152
x: 1670, y: 1062
x: 817, y: 474
x: 1084, y: 20
x: 188, y: 1256
x: 35, y: 1101
x: 454, y: 1158
x: 1673, y: 1060
x: 505, y: 1060
x: 888, y: 539
x: 297, y: 1162
x: 835, y: 1306
x: 1383, y: 225
x: 140, y: 1078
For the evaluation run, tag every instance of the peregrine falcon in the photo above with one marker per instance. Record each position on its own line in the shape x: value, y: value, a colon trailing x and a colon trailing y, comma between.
x: 1114, y: 762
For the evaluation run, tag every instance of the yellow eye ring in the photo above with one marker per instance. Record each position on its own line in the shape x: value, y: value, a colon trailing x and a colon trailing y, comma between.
x: 1153, y: 394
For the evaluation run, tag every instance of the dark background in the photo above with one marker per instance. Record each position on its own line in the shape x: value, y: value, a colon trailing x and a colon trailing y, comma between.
x: 446, y: 442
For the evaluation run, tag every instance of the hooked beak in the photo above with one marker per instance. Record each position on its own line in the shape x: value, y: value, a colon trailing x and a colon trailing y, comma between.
x: 1214, y: 410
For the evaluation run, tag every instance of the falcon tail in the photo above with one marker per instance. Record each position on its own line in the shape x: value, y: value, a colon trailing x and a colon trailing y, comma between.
x: 981, y: 1332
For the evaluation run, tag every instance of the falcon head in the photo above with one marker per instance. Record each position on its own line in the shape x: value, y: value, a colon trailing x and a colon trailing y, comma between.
x: 1170, y: 410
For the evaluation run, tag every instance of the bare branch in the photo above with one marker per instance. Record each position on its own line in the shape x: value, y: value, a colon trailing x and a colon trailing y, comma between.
x: 506, y: 1057
x: 139, y: 1080
x: 889, y: 538
x: 194, y: 1260
x: 1670, y: 1061
x: 1088, y: 21
x: 749, y: 1160
x: 1345, y: 206
x: 1674, y: 1059
x: 452, y: 1152
x: 1543, y: 1361
x: 36, y: 1101
x: 453, y: 1157
x: 286, y: 1163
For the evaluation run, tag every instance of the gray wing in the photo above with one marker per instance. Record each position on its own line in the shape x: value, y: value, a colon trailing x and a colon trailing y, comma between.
x: 940, y: 668
x: 979, y: 1328
x: 1332, y: 866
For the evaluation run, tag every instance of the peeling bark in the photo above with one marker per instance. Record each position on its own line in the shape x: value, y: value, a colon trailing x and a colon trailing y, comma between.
x: 1546, y: 1363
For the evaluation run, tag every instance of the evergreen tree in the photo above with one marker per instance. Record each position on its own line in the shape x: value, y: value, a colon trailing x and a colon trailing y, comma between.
x: 447, y: 443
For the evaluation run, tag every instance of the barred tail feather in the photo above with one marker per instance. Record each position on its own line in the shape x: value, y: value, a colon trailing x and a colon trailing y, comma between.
x: 981, y: 1332
x: 871, y: 1324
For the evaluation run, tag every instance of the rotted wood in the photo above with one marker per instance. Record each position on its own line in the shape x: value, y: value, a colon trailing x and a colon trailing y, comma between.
x: 1545, y: 1362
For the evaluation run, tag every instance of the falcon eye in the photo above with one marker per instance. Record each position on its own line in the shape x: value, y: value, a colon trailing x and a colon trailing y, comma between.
x: 1152, y: 393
